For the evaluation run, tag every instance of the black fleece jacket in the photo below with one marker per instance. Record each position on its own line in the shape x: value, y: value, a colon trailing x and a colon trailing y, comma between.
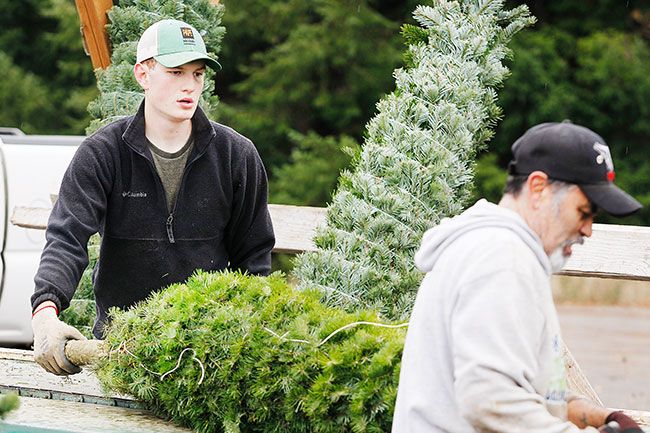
x: 220, y: 219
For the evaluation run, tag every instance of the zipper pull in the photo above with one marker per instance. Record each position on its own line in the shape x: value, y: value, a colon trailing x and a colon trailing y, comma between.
x: 170, y: 230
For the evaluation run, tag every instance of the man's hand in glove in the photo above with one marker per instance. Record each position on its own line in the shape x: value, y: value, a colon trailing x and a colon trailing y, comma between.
x: 618, y: 422
x: 50, y: 337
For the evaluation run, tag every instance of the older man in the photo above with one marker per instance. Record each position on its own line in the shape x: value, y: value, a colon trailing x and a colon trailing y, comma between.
x: 483, y: 351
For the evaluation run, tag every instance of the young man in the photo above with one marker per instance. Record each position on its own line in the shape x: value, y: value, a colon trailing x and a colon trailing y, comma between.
x: 168, y: 190
x: 483, y: 351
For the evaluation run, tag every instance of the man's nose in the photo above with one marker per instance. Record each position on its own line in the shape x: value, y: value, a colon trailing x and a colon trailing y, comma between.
x: 188, y: 84
x: 586, y: 229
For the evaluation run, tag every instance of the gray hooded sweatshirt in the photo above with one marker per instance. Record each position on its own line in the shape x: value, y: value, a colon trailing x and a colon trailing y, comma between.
x: 483, y: 351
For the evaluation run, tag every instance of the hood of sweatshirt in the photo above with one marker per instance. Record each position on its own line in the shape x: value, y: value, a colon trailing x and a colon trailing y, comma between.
x: 482, y: 215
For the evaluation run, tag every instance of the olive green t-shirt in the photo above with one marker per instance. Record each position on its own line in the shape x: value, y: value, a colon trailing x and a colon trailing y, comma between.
x: 170, y: 168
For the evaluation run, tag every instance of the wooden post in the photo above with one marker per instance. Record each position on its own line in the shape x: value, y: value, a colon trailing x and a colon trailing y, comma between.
x: 92, y: 14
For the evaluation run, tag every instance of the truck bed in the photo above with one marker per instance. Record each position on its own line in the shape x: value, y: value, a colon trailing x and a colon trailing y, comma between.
x: 73, y: 404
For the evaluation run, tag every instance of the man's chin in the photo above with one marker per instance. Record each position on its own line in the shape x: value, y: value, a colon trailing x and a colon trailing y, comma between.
x: 558, y: 259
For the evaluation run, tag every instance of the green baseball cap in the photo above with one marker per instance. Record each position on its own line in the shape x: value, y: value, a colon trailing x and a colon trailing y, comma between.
x: 173, y: 43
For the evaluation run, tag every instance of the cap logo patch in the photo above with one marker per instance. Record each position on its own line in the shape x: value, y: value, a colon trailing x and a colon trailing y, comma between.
x: 605, y: 157
x: 187, y: 33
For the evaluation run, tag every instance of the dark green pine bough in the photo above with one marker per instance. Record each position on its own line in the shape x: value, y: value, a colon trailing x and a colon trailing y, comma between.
x: 227, y: 352
x: 234, y: 353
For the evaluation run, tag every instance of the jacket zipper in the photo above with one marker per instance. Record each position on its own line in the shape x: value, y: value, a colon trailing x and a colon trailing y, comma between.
x: 170, y: 229
x: 170, y: 219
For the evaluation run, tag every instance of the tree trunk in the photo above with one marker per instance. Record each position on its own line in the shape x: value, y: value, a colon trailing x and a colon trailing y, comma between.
x: 85, y: 352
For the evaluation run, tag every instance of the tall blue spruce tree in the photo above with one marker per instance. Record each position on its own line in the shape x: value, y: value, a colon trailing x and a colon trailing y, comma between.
x: 416, y: 166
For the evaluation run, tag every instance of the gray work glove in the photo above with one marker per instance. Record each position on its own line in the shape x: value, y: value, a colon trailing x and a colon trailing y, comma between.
x: 50, y: 337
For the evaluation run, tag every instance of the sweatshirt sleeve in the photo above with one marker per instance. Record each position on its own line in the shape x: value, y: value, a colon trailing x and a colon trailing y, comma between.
x: 495, y: 328
x: 77, y: 215
x: 249, y: 234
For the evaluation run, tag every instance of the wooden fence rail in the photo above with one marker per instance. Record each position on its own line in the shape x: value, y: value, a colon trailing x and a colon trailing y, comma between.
x: 613, y: 251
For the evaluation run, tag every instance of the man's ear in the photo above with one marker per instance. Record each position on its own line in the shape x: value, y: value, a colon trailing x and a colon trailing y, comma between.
x: 141, y: 73
x: 535, y: 186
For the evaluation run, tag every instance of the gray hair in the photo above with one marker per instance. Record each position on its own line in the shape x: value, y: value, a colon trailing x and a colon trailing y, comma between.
x: 560, y: 190
x: 516, y: 183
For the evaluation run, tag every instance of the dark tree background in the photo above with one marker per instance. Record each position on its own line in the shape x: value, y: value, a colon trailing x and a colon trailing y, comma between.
x: 301, y: 79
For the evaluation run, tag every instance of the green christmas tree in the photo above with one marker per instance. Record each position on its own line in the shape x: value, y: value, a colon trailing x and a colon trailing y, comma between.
x: 233, y: 353
x: 416, y: 166
x: 120, y: 94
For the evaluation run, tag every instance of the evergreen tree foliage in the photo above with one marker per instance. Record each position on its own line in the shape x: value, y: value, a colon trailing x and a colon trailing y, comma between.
x: 310, y: 177
x: 73, y: 84
x: 120, y: 95
x: 20, y: 96
x: 489, y: 179
x: 416, y: 163
x: 51, y: 79
x: 308, y: 66
x: 236, y: 353
x: 23, y: 26
x: 581, y: 18
x: 8, y: 403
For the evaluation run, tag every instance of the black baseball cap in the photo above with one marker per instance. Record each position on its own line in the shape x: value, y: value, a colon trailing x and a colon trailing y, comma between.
x: 573, y: 154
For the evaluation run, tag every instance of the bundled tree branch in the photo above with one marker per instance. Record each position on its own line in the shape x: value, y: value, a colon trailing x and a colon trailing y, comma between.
x: 237, y: 353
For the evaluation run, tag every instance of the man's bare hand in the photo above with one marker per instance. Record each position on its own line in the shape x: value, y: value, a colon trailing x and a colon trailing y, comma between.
x: 584, y: 413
